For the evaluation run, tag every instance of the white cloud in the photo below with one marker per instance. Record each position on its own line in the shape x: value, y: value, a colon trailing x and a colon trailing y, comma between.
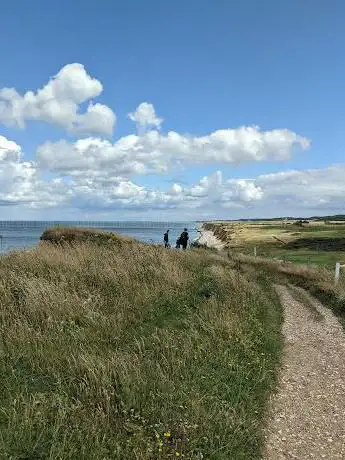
x: 176, y: 189
x: 242, y: 190
x: 58, y: 103
x: 295, y: 192
x: 94, y: 157
x: 145, y: 116
x: 120, y: 193
x: 9, y: 150
x: 154, y: 153
x: 312, y: 189
x: 94, y: 173
x: 20, y: 182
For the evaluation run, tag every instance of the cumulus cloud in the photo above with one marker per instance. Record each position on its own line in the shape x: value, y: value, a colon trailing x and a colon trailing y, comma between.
x: 241, y: 191
x: 94, y: 172
x: 120, y: 193
x: 154, y: 153
x: 58, y: 103
x: 9, y: 150
x: 312, y: 189
x: 21, y: 183
x: 301, y: 191
x: 94, y: 157
x: 145, y: 116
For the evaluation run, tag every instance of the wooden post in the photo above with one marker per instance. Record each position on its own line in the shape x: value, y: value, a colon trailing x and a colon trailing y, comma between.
x: 337, y: 272
x: 255, y: 251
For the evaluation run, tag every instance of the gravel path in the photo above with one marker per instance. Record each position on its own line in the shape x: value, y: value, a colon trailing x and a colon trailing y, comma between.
x: 308, y: 411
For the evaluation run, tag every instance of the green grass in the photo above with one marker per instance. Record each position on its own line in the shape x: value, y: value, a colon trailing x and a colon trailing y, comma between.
x: 326, y: 259
x: 312, y: 244
x: 330, y: 230
x: 128, y: 351
x: 318, y: 281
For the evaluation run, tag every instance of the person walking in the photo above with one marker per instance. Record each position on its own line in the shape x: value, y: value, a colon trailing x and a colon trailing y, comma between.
x: 184, y: 238
x: 166, y: 239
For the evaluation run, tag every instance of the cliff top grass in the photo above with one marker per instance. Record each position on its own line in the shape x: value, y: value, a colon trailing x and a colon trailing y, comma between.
x: 315, y: 242
x: 131, y: 351
x: 60, y: 235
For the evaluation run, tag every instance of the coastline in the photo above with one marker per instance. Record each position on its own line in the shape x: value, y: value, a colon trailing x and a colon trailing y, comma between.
x: 208, y: 238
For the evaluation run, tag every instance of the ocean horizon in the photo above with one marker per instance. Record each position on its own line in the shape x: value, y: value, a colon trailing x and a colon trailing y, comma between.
x: 23, y: 234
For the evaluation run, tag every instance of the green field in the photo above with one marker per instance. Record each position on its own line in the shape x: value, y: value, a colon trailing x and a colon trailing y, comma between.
x: 314, y: 243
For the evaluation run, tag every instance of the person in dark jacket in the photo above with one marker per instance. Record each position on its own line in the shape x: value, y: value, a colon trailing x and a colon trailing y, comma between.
x: 166, y: 239
x: 184, y: 238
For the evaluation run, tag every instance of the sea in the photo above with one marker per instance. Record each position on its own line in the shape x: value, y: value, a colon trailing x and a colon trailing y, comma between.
x: 16, y: 235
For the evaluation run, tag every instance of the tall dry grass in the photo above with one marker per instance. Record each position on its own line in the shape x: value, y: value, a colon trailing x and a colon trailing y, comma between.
x: 133, y: 352
x: 319, y: 281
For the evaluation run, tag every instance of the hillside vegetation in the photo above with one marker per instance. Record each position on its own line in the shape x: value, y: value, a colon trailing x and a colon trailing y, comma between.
x: 63, y: 235
x: 319, y: 281
x: 307, y: 242
x: 127, y: 351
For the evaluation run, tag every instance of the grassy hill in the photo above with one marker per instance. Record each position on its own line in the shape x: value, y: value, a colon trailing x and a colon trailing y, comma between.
x: 113, y: 349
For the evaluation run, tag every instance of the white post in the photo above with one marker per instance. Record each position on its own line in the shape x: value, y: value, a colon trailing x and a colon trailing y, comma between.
x: 337, y: 272
x: 255, y: 251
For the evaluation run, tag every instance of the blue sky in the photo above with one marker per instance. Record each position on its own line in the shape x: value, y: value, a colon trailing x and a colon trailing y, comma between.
x: 204, y: 66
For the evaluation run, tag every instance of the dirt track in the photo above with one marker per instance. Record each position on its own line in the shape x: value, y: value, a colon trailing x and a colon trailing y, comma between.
x: 308, y: 412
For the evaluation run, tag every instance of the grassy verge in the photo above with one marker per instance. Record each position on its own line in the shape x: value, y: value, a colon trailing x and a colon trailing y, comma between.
x: 318, y: 281
x: 310, y: 257
x: 128, y: 351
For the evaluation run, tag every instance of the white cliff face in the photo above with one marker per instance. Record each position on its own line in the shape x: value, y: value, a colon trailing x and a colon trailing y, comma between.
x: 209, y: 239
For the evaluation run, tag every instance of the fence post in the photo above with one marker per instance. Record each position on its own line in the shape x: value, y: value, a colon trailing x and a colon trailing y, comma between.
x: 255, y: 251
x: 337, y: 272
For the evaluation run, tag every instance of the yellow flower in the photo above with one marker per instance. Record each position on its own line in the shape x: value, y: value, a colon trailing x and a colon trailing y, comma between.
x: 177, y: 454
x: 167, y: 434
